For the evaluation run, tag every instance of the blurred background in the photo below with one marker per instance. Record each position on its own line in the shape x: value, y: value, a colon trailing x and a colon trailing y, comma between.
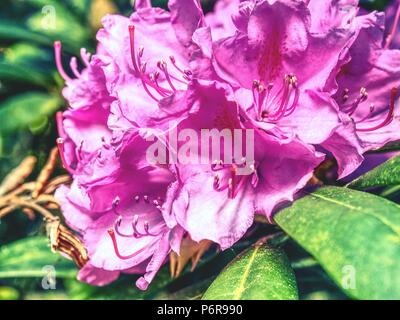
x: 29, y: 97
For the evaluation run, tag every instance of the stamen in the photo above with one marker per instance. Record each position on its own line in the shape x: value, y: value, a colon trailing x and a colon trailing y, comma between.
x: 117, y: 227
x: 187, y: 74
x: 173, y: 61
x: 389, y: 116
x: 116, y: 249
x: 162, y: 65
x: 85, y: 56
x: 148, y: 91
x: 137, y: 233
x: 235, y: 183
x: 154, y: 78
x: 258, y: 97
x: 350, y: 109
x: 290, y: 82
x: 61, y: 71
x: 151, y: 81
x: 133, y: 53
x: 288, y: 93
x: 74, y: 67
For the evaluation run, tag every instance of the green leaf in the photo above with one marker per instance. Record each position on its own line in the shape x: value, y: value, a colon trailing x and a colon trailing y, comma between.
x: 81, y: 7
x: 260, y: 273
x: 8, y: 293
x: 25, y: 110
x: 123, y: 288
x: 387, y: 174
x: 58, y: 23
x: 22, y: 52
x: 191, y: 292
x: 355, y: 236
x: 17, y: 73
x: 27, y: 258
x: 9, y: 30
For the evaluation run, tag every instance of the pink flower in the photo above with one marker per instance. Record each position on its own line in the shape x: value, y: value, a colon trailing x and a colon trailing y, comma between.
x: 83, y: 128
x: 367, y: 94
x: 213, y: 201
x: 297, y: 74
x: 288, y: 57
x: 115, y: 204
x: 115, y: 200
x: 149, y: 56
x: 368, y: 85
x: 297, y: 61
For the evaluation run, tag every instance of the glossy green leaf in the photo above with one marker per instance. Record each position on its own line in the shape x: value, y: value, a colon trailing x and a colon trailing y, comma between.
x: 260, y: 273
x: 27, y: 109
x: 29, y: 258
x: 355, y: 236
x: 385, y: 175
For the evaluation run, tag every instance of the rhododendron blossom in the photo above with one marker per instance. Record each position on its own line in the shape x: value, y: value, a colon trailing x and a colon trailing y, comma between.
x: 311, y: 80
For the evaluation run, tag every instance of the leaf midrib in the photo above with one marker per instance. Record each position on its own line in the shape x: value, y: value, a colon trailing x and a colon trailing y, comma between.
x: 240, y: 289
x: 357, y: 209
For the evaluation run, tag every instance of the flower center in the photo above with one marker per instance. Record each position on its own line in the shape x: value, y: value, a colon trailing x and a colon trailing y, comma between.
x: 151, y: 81
x: 137, y: 231
x: 226, y: 177
x: 273, y: 107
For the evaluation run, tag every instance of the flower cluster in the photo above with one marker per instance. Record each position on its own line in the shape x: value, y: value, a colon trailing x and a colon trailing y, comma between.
x: 313, y: 79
